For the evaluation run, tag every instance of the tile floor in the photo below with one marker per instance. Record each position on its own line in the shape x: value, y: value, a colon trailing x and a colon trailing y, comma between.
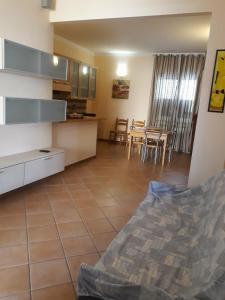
x: 47, y: 229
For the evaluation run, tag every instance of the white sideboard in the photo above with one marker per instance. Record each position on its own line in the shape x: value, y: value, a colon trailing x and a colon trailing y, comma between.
x: 24, y: 168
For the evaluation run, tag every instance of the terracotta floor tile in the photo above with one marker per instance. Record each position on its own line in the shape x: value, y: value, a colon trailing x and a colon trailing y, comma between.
x: 90, y: 213
x: 56, y: 188
x: 38, y: 207
x: 114, y: 211
x: 36, y: 197
x: 41, y: 234
x: 36, y: 188
x: 78, y: 246
x: 49, y: 273
x: 76, y: 186
x: 72, y: 179
x: 13, y: 256
x: 44, y: 251
x: 14, y: 280
x: 12, y: 207
x: 13, y: 222
x: 21, y: 296
x: 59, y: 196
x: 54, y: 180
x: 75, y: 262
x: 82, y: 194
x: 40, y: 220
x: 59, y: 292
x: 99, y: 226
x: 103, y: 240
x: 119, y: 222
x: 13, y: 237
x: 64, y: 211
x: 105, y: 201
x: 85, y: 203
x: 72, y: 229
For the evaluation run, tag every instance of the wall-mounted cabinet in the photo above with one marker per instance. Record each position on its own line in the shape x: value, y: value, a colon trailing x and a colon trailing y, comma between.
x: 92, y: 83
x: 84, y: 75
x: 82, y: 81
x: 23, y: 110
x: 74, y: 79
x: 15, y: 57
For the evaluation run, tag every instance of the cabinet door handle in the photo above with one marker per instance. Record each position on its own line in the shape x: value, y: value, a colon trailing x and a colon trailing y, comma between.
x: 47, y: 158
x: 2, y: 171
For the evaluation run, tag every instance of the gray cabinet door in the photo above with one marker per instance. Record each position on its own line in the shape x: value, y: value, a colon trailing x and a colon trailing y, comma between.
x: 54, y: 110
x: 25, y: 59
x: 84, y: 74
x: 23, y: 111
x: 74, y: 79
x: 92, y: 86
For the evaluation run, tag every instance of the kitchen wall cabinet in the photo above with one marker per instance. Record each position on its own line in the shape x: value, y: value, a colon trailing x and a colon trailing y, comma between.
x: 15, y: 57
x: 84, y: 74
x: 24, y: 110
x: 92, y: 83
x: 74, y: 79
x: 82, y: 81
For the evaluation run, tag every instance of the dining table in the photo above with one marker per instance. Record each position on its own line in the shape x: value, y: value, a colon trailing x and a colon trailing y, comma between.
x: 140, y: 133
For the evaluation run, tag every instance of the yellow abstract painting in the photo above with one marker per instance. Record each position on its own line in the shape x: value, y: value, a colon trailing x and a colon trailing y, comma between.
x: 217, y: 96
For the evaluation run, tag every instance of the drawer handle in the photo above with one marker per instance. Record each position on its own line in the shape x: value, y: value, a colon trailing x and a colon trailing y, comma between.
x: 47, y: 158
x: 2, y: 171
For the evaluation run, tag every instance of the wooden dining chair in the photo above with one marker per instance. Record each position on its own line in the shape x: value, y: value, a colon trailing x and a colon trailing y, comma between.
x: 137, y: 141
x: 151, y: 142
x: 120, y: 132
x: 136, y: 123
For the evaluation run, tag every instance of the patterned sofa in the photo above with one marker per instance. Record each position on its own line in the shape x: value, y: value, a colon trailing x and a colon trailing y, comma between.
x: 172, y: 248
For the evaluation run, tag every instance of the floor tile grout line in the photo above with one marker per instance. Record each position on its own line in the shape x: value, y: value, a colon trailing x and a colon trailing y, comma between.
x: 71, y: 196
x: 65, y: 257
x: 28, y: 248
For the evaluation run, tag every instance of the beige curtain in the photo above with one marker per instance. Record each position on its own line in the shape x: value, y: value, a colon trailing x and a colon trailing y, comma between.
x: 175, y: 95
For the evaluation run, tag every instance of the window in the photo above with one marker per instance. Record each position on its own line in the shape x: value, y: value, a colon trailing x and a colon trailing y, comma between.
x: 167, y: 88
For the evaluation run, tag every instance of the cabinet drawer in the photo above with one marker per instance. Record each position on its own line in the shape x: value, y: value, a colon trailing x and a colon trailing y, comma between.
x: 11, y: 178
x: 44, y: 167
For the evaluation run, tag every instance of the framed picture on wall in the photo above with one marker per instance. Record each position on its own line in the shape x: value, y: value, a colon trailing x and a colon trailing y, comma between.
x: 120, y: 89
x: 217, y: 95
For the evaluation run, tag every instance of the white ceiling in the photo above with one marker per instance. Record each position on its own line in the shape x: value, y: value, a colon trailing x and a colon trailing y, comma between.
x: 183, y: 33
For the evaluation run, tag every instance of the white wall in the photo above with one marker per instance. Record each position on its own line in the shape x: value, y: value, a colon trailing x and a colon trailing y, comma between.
x: 140, y: 75
x: 25, y: 22
x: 209, y: 146
x: 70, y: 10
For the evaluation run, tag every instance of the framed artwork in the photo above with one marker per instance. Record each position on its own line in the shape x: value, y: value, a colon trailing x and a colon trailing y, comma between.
x: 120, y: 89
x: 217, y: 95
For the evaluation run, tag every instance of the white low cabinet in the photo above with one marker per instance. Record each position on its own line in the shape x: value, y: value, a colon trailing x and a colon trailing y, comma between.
x: 24, y: 168
x: 11, y: 178
x: 44, y: 167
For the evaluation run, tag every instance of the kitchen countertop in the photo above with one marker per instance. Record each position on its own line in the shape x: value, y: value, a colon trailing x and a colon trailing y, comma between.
x: 85, y: 119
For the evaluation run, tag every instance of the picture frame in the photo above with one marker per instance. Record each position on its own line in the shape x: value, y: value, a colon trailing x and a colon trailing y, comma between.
x: 217, y: 93
x: 120, y: 89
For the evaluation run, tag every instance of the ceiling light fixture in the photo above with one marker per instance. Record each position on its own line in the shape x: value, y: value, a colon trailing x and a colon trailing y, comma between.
x: 121, y: 52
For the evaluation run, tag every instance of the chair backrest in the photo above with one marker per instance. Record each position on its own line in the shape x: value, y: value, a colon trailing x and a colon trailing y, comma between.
x: 121, y: 125
x: 136, y: 123
x: 151, y: 135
